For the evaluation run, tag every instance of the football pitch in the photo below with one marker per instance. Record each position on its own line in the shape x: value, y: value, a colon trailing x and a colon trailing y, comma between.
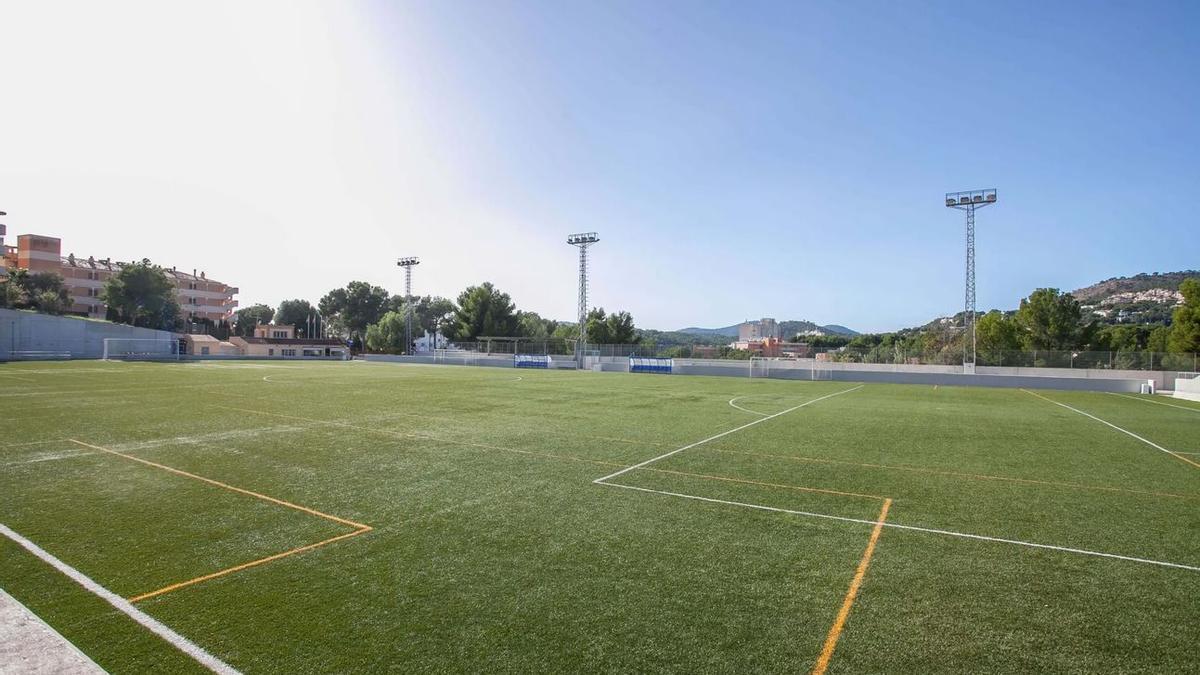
x: 347, y: 517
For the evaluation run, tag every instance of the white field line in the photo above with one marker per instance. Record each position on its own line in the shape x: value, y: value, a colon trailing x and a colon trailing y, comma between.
x: 49, y: 457
x: 914, y: 528
x: 1110, y: 424
x: 124, y: 606
x: 122, y: 390
x: 18, y: 377
x: 29, y: 635
x: 724, y: 433
x: 27, y: 444
x: 733, y: 402
x: 1169, y: 405
x: 198, y: 439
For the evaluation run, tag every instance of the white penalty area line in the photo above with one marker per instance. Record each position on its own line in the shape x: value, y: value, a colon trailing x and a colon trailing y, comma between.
x: 1143, y: 400
x: 724, y: 433
x: 1110, y: 424
x: 914, y: 528
x: 124, y: 606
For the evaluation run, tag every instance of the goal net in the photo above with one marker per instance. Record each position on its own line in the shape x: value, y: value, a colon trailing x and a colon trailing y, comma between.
x: 760, y: 367
x: 821, y: 370
x: 140, y: 349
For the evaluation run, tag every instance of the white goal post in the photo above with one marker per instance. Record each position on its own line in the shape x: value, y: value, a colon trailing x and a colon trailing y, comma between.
x: 141, y: 349
x: 760, y: 366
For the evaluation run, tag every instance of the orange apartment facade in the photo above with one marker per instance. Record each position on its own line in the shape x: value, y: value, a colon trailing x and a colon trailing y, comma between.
x: 199, y: 297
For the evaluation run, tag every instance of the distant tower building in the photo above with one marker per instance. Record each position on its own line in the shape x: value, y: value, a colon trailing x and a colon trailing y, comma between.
x: 753, y: 331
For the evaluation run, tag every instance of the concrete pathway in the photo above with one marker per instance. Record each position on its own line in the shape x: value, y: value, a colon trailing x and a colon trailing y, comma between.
x: 29, y: 645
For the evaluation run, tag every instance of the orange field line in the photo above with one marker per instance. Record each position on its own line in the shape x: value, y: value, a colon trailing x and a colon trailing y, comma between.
x: 958, y: 474
x: 226, y: 486
x: 839, y: 623
x: 359, y: 528
x: 757, y: 482
x: 252, y: 563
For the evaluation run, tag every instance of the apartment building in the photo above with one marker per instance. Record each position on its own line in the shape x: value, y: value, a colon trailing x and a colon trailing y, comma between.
x: 199, y: 297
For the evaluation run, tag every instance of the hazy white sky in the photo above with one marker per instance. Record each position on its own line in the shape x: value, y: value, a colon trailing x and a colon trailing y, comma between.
x: 271, y: 144
x: 739, y: 160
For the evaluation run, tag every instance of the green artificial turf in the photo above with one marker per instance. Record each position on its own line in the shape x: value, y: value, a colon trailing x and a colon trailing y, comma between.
x: 492, y: 549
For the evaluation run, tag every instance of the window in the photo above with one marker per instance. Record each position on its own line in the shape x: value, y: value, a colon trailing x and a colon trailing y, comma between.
x: 270, y: 352
x: 288, y: 352
x: 279, y: 334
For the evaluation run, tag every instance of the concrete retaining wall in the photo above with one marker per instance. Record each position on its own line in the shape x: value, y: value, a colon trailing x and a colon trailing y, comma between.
x: 73, y: 337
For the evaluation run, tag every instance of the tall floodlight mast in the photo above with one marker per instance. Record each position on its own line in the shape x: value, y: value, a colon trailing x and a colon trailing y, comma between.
x: 583, y: 241
x: 408, y: 264
x: 969, y: 201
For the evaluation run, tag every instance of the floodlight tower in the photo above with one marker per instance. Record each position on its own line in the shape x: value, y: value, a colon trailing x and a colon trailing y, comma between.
x: 583, y: 241
x: 408, y: 264
x: 969, y: 201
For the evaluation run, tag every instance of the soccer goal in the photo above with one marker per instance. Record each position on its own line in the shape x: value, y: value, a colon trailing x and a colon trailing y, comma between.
x: 760, y: 366
x: 531, y: 360
x: 141, y: 349
x: 822, y: 370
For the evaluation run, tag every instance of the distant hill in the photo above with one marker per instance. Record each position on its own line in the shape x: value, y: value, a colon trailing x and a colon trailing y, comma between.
x: 787, y: 328
x: 1096, y: 294
x: 1143, y: 298
x: 727, y: 331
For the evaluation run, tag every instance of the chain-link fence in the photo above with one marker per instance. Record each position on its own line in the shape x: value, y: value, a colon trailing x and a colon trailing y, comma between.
x: 1105, y: 360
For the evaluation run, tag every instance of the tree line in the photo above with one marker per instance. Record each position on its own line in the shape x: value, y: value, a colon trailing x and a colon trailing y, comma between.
x: 370, y: 316
x: 1048, y: 320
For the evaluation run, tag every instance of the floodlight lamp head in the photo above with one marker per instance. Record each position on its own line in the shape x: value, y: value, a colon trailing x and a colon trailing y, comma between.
x: 582, y: 238
x: 956, y: 200
x: 408, y: 262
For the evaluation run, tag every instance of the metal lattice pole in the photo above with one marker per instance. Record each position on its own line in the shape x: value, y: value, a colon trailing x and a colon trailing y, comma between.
x: 408, y: 264
x: 969, y: 202
x: 969, y: 305
x: 583, y: 241
x: 408, y: 310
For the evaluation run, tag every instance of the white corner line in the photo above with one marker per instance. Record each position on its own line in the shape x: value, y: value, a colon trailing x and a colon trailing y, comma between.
x: 914, y: 528
x: 1169, y: 405
x: 124, y: 606
x: 752, y: 412
x: 1110, y: 424
x: 724, y: 433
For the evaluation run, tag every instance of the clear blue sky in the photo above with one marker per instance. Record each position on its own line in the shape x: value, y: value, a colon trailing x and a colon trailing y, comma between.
x: 789, y: 159
x: 739, y: 160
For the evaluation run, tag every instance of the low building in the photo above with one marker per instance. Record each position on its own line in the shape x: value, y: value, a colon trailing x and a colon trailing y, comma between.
x: 207, y: 345
x: 199, y: 297
x: 774, y: 348
x: 272, y: 341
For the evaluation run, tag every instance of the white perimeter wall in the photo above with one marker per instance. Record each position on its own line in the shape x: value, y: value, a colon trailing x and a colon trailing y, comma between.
x: 1189, y: 389
x: 81, y: 338
x: 1031, y: 378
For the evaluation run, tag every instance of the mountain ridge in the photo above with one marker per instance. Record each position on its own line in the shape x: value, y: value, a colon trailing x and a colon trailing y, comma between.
x: 788, y: 329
